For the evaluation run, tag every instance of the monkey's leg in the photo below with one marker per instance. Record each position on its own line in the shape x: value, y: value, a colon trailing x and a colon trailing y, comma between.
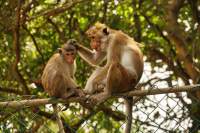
x: 128, y: 79
x: 126, y: 82
x: 91, y: 85
x: 129, y: 108
x: 112, y: 80
x: 122, y: 83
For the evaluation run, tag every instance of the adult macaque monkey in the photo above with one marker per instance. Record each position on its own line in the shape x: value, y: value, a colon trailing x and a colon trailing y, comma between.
x: 123, y: 69
x: 58, y: 76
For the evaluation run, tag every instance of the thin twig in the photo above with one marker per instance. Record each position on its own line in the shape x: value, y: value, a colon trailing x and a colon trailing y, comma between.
x: 34, y: 42
x: 60, y: 33
x: 10, y: 90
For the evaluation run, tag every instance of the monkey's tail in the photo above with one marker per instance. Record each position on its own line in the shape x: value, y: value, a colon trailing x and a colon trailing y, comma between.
x: 129, y: 106
x: 58, y: 119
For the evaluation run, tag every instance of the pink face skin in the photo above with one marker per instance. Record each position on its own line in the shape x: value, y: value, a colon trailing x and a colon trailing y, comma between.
x: 69, y: 57
x: 95, y: 44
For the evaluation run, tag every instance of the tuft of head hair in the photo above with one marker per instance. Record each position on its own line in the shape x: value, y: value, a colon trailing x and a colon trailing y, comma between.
x: 69, y: 47
x: 99, y: 25
x: 71, y: 41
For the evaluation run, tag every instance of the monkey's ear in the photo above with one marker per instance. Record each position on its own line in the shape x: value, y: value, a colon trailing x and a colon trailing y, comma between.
x: 105, y: 31
x: 59, y: 50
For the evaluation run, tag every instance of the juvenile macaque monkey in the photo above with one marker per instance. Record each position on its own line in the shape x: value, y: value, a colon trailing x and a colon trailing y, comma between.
x: 58, y: 75
x: 123, y: 69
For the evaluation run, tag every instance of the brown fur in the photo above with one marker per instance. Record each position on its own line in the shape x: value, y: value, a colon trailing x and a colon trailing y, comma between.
x: 123, y: 69
x: 58, y: 75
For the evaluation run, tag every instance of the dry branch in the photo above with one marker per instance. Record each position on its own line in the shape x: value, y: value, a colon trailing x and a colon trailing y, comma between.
x: 16, y: 45
x: 56, y: 11
x: 36, y: 102
x: 151, y: 91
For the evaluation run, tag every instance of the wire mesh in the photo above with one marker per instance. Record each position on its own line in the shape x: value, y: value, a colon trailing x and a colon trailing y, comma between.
x: 173, y: 113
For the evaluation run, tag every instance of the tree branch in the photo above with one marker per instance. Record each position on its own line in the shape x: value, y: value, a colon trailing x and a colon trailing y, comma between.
x: 60, y: 33
x: 150, y: 91
x: 176, y: 35
x: 26, y: 9
x: 177, y: 69
x: 156, y: 27
x: 116, y: 115
x: 58, y: 10
x: 11, y: 90
x: 153, y: 91
x: 34, y: 42
x: 195, y: 11
x: 105, y: 8
x: 137, y: 20
x: 16, y: 45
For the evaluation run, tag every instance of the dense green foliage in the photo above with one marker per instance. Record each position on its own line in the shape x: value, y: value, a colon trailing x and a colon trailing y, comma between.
x: 170, y: 43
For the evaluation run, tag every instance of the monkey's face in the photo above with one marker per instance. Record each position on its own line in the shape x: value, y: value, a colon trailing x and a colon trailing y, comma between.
x: 69, y: 56
x: 98, y: 35
x: 68, y: 52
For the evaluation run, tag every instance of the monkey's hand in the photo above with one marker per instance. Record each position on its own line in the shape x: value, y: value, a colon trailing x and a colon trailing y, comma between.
x: 80, y: 92
x: 97, y: 86
x: 100, y: 87
x: 73, y: 42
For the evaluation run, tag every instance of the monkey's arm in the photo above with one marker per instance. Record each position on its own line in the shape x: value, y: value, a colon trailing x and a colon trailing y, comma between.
x: 71, y: 89
x: 91, y: 57
x: 70, y: 83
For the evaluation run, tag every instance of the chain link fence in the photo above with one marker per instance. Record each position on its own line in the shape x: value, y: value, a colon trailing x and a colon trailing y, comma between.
x: 161, y: 113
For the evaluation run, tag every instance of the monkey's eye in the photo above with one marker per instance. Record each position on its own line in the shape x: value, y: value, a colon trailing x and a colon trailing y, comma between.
x: 69, y: 53
x: 105, y: 31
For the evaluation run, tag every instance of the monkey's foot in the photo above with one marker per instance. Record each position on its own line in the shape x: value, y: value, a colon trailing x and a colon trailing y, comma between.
x: 80, y: 92
x: 71, y: 93
x: 100, y: 87
x: 99, y: 98
x: 91, y: 100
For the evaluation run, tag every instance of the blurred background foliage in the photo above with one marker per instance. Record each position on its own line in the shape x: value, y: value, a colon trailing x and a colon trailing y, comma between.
x: 32, y: 30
